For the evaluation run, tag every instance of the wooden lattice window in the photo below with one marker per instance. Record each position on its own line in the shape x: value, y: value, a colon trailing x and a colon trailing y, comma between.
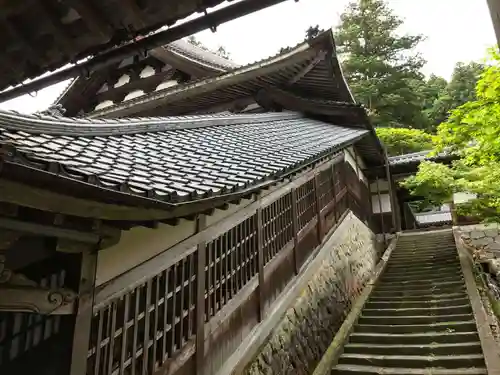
x: 277, y: 226
x: 138, y: 332
x: 306, y: 203
x: 231, y: 264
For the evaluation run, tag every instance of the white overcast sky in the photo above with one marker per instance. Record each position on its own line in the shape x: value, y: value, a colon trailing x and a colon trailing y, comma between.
x: 456, y: 30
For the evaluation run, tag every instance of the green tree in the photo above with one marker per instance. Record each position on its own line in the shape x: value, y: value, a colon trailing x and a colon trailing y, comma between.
x: 472, y: 131
x: 461, y: 89
x: 380, y: 65
x: 400, y: 141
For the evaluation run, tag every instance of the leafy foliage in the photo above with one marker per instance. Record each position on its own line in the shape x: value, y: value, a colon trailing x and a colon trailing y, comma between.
x: 379, y: 64
x: 400, y: 141
x: 473, y: 132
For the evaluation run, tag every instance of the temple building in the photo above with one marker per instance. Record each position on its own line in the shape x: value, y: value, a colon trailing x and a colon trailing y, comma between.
x: 156, y: 226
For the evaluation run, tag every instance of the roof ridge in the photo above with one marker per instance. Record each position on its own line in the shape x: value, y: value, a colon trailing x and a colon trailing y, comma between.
x: 58, y: 125
x: 300, y: 47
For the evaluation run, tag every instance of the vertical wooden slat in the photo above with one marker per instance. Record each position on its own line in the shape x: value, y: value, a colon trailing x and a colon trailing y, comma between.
x: 174, y: 309
x: 166, y: 328
x: 201, y: 223
x: 123, y: 353
x: 295, y: 230
x: 182, y: 303
x: 155, y: 324
x: 136, y: 329
x: 114, y: 307
x: 84, y: 313
x: 147, y: 322
x: 98, y: 343
x: 260, y: 262
x: 317, y: 196
x: 334, y: 190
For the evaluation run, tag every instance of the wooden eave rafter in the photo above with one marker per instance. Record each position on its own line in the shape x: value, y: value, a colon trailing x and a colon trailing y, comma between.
x: 170, y: 95
x: 109, y: 41
x: 319, y: 57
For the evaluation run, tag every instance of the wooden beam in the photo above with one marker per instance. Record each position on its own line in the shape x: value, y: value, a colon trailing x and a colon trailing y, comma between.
x: 260, y: 265
x: 319, y: 57
x: 62, y: 38
x: 92, y: 18
x: 295, y: 230
x: 84, y: 313
x: 19, y: 34
x: 46, y: 230
x: 201, y: 223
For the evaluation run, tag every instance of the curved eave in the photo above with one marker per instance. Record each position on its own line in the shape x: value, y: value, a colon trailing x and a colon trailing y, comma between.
x: 311, y: 68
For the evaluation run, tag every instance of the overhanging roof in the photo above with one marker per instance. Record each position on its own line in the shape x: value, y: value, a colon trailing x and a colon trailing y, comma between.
x: 180, y: 55
x: 310, y: 70
x: 177, y: 165
x: 41, y: 36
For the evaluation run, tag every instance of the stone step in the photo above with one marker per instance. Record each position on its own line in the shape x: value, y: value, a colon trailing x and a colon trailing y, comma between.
x: 466, y: 326
x: 415, y: 319
x: 413, y: 361
x: 403, y: 303
x: 422, y: 274
x: 427, y: 250
x: 421, y: 261
x: 372, y: 370
x: 417, y: 268
x: 424, y: 285
x: 418, y: 279
x: 431, y: 289
x: 473, y: 347
x: 415, y: 259
x: 413, y: 311
x: 428, y: 296
x: 413, y: 338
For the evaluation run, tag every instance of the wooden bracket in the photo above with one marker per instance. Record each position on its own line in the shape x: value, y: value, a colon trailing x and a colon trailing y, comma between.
x: 20, y: 294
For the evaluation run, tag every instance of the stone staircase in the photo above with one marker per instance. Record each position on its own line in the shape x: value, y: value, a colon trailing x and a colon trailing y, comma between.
x: 418, y: 319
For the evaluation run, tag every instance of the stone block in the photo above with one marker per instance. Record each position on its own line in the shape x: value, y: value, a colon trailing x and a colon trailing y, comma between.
x: 476, y: 234
x: 493, y: 246
x: 481, y: 242
x: 491, y: 232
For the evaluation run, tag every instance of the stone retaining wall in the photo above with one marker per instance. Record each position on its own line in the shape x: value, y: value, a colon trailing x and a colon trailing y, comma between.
x: 302, y: 337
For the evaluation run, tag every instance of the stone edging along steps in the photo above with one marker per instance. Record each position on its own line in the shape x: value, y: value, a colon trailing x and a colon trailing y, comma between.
x: 417, y: 316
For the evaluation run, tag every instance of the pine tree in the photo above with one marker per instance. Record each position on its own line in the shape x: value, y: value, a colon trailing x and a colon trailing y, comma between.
x: 380, y: 65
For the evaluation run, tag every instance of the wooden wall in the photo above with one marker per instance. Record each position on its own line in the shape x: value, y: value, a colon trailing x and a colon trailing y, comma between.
x: 188, y: 309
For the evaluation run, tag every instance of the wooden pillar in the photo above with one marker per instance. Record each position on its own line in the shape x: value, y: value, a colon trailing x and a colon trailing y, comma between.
x: 201, y: 223
x: 320, y: 225
x: 84, y: 312
x: 382, y: 224
x: 391, y: 193
x: 295, y: 229
x: 335, y: 210
x: 260, y: 263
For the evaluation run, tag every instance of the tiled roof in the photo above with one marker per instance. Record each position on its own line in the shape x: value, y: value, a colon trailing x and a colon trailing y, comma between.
x: 409, y: 158
x: 176, y: 159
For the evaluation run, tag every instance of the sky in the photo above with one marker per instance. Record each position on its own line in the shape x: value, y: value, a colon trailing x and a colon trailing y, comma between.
x: 455, y: 30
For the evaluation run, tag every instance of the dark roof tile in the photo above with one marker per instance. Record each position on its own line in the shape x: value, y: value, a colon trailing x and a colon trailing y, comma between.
x: 176, y: 159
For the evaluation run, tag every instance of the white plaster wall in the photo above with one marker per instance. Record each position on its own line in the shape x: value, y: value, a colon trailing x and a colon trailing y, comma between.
x: 123, y: 80
x: 148, y: 71
x: 133, y: 94
x: 349, y: 155
x: 383, y: 185
x: 104, y: 104
x: 385, y: 199
x: 166, y: 84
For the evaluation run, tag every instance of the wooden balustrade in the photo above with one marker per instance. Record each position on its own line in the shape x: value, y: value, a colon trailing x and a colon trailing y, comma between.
x: 176, y: 319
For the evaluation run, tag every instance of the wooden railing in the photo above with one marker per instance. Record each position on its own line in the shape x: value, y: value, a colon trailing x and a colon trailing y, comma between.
x: 191, y: 307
